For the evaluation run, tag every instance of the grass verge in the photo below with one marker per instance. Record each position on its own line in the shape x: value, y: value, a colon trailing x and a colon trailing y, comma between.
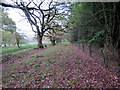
x: 13, y: 49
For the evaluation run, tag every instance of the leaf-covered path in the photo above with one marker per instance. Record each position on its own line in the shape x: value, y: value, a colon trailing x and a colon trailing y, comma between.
x: 21, y: 56
x: 61, y: 66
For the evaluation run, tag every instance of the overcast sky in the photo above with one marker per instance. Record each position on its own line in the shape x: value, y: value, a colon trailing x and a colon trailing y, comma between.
x: 22, y: 25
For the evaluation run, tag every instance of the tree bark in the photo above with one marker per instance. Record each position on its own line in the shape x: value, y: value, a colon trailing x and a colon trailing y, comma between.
x: 39, y: 38
x: 5, y: 45
x: 83, y: 47
x: 52, y: 39
x: 90, y: 49
x: 17, y: 41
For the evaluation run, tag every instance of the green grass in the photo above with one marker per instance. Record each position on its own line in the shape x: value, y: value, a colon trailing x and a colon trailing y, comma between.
x: 64, y: 43
x: 15, y: 49
x: 12, y: 49
x: 116, y: 64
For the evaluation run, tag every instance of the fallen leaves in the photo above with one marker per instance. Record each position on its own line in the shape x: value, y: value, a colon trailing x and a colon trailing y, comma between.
x: 63, y: 67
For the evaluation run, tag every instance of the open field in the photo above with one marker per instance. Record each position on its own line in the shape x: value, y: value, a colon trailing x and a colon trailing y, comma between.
x: 13, y: 49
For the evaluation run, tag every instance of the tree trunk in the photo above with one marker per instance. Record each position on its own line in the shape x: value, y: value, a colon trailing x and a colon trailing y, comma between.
x: 90, y: 49
x: 104, y: 58
x: 52, y: 39
x: 17, y: 41
x: 119, y: 55
x: 5, y: 45
x: 39, y: 37
x: 118, y: 49
x: 83, y: 47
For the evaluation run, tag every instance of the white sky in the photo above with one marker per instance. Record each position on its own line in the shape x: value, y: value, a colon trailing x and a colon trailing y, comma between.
x: 22, y: 25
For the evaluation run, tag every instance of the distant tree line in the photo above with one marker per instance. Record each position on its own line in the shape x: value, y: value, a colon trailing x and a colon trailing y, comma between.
x: 8, y: 31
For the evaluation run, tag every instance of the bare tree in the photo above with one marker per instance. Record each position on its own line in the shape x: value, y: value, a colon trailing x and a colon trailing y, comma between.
x: 39, y: 14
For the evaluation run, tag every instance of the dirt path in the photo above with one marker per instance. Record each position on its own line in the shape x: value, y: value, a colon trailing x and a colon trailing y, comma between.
x: 22, y: 56
x: 63, y: 66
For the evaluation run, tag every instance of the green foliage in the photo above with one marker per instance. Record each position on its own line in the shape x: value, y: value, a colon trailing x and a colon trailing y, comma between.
x: 93, y: 22
x: 8, y: 37
x: 96, y: 24
x: 7, y: 23
x: 9, y: 34
x: 11, y: 39
x: 82, y: 41
x: 97, y: 35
